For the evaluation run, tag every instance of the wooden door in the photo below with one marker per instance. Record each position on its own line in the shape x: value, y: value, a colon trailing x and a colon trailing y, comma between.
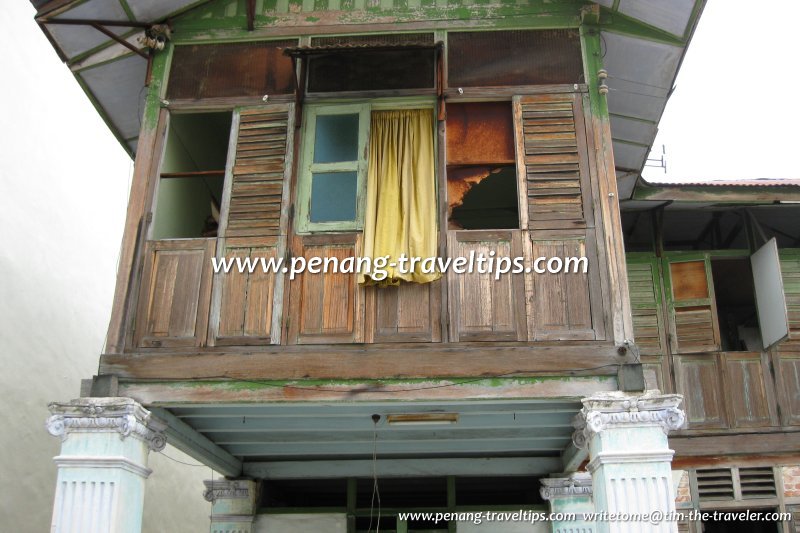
x: 174, y: 294
x: 690, y: 297
x: 247, y: 306
x: 483, y: 308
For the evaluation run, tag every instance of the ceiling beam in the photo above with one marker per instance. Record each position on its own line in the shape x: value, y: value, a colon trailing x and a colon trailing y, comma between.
x: 573, y: 457
x: 393, y: 468
x: 192, y: 443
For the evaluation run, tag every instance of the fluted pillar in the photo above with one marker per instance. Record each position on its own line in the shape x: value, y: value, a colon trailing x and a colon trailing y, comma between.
x: 629, y: 458
x: 570, y: 499
x: 233, y: 504
x: 102, y: 466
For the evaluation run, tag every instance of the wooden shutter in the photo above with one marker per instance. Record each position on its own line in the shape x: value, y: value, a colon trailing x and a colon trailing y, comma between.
x: 174, y: 294
x: 259, y: 173
x: 690, y: 297
x: 247, y: 307
x: 552, y: 157
x: 555, y: 199
x: 326, y: 308
x: 699, y: 379
x: 480, y: 307
x: 789, y: 350
x: 649, y: 325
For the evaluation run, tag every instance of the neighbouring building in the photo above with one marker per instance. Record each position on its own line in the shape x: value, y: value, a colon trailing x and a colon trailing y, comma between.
x: 313, y: 132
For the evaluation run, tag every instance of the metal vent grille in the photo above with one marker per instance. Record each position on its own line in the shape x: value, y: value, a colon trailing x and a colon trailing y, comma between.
x: 392, y: 39
x: 757, y: 482
x: 715, y: 484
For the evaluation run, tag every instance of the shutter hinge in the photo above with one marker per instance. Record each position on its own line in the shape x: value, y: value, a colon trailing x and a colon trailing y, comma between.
x: 291, y: 212
x: 148, y: 217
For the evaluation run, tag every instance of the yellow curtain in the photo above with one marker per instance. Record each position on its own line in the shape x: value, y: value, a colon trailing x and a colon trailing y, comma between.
x: 400, y: 216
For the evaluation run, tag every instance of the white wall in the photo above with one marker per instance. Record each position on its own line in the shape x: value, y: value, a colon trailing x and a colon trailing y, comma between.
x: 63, y: 192
x: 301, y: 523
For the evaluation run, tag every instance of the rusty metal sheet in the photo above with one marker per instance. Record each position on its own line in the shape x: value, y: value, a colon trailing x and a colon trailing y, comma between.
x: 480, y: 133
x: 231, y: 69
x: 510, y: 58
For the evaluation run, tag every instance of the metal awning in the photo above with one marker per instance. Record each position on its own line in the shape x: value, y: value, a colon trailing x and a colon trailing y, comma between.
x: 644, y: 42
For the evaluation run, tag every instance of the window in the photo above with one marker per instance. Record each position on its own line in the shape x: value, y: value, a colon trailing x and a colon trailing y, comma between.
x: 192, y: 176
x: 333, y: 167
x: 481, y: 172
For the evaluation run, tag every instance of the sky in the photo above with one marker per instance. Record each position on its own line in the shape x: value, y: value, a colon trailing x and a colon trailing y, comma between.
x: 732, y: 114
x: 65, y: 180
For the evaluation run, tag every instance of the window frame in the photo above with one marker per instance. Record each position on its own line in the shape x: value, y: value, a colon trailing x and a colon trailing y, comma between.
x: 308, y: 167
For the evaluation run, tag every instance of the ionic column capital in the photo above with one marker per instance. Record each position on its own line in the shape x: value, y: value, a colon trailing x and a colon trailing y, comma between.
x: 100, y: 415
x: 616, y: 409
x: 576, y: 484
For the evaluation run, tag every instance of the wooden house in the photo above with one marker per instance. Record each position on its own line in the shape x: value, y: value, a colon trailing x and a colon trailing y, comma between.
x: 258, y: 129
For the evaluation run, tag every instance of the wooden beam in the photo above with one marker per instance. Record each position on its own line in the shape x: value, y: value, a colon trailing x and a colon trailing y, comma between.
x: 192, y: 443
x: 420, y: 360
x: 394, y: 468
x: 739, y: 444
x: 573, y: 457
x: 251, y: 14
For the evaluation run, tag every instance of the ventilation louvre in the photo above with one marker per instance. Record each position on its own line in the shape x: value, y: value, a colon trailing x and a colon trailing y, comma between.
x: 757, y: 482
x: 750, y: 483
x: 715, y: 484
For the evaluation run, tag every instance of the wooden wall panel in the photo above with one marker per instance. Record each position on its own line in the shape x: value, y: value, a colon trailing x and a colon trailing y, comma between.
x: 174, y: 294
x: 749, y: 391
x: 409, y: 312
x: 248, y: 304
x: 789, y: 372
x: 482, y: 308
x: 698, y: 378
x: 560, y: 307
x: 790, y: 271
x: 326, y: 308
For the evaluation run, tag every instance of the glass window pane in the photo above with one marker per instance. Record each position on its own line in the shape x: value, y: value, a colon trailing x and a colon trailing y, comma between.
x: 333, y: 196
x: 336, y: 138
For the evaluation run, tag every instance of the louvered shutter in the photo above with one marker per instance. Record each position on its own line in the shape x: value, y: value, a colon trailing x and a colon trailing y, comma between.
x: 789, y: 351
x: 249, y: 305
x: 553, y: 151
x: 690, y: 298
x: 555, y: 200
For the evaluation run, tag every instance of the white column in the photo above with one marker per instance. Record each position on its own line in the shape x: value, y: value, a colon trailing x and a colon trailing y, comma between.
x: 629, y: 456
x: 102, y: 467
x: 233, y: 504
x: 570, y: 495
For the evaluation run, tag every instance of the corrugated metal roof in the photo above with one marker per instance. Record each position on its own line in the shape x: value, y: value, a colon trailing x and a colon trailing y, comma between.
x: 760, y: 182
